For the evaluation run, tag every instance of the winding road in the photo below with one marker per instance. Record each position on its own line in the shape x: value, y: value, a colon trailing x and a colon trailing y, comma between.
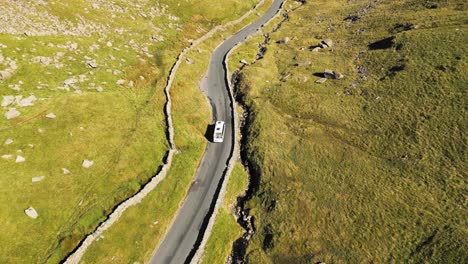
x: 179, y: 243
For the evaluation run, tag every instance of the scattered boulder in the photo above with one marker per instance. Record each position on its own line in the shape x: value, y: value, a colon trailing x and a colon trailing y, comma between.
x: 70, y: 81
x: 73, y: 46
x: 244, y: 62
x: 87, y: 163
x: 316, y: 49
x: 7, y: 156
x: 28, y: 101
x: 51, y: 115
x: 120, y: 82
x: 326, y: 43
x: 283, y: 41
x: 91, y: 64
x: 31, y: 212
x: 99, y: 89
x: 5, y: 75
x: 65, y: 171
x: 329, y: 74
x: 8, y: 141
x: 38, y: 178
x: 338, y: 75
x: 45, y: 61
x: 7, y: 100
x: 20, y: 159
x: 321, y: 80
x: 12, y: 113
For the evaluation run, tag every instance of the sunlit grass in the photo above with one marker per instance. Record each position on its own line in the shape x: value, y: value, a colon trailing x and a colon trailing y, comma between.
x: 121, y: 129
x: 362, y: 169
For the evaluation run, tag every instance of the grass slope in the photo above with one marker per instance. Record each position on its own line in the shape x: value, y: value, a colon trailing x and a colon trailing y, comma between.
x: 370, y: 168
x: 121, y: 129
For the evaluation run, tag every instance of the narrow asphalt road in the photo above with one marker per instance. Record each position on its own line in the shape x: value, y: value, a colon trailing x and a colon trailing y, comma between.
x: 182, y: 236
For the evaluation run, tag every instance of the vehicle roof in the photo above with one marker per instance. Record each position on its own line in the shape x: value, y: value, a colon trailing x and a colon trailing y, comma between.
x: 219, y: 126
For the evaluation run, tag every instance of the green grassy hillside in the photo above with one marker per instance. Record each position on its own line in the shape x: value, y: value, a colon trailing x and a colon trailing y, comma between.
x: 370, y: 168
x: 100, y: 68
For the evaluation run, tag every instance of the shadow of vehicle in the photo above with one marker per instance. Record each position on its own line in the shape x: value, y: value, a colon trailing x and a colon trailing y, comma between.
x: 209, y: 132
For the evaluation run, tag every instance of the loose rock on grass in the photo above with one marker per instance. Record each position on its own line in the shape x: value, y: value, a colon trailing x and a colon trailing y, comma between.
x: 329, y: 74
x: 87, y: 163
x: 20, y: 159
x: 12, y: 113
x: 37, y: 179
x: 31, y: 212
x: 51, y: 115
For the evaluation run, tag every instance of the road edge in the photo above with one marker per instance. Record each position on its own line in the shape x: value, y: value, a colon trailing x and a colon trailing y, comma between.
x: 197, y: 258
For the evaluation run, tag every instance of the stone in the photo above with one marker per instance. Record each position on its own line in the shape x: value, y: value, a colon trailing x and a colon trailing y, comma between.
x: 338, y: 75
x: 244, y: 62
x: 65, y: 171
x: 5, y: 75
x: 12, y: 113
x: 20, y: 159
x: 37, y: 179
x: 91, y: 64
x: 329, y: 74
x: 51, y: 115
x: 7, y: 156
x: 109, y: 44
x: 42, y: 60
x: 327, y: 42
x: 7, y: 100
x: 9, y: 141
x: 283, y: 41
x: 316, y: 49
x: 130, y: 84
x: 87, y: 163
x: 31, y: 212
x: 28, y: 101
x: 99, y: 89
x: 70, y: 81
x: 305, y: 63
x: 321, y: 80
x: 120, y: 82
